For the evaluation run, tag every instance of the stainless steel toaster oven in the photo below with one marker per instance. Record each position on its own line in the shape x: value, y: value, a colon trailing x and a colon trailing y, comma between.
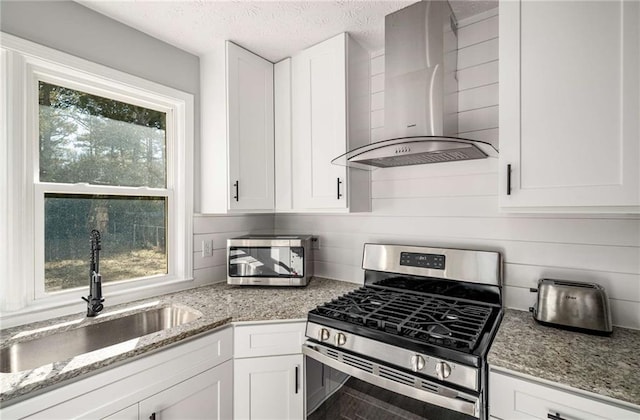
x: 269, y: 260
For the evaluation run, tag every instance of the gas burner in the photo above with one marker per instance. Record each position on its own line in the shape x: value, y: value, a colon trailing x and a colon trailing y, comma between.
x: 439, y: 332
x: 417, y: 316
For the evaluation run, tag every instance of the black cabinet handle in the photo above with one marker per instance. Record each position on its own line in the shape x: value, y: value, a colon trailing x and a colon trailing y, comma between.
x: 509, y: 179
x: 555, y: 416
x: 297, y: 379
x: 152, y: 416
x: 338, y: 185
x: 237, y: 187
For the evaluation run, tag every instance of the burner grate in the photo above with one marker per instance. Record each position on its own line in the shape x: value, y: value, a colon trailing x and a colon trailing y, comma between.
x: 449, y: 322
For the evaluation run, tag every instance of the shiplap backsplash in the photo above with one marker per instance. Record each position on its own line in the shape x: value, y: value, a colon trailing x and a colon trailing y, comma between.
x: 219, y: 228
x: 456, y: 204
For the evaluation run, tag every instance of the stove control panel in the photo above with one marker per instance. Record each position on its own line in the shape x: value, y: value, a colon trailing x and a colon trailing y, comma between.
x: 414, y: 259
x: 424, y: 364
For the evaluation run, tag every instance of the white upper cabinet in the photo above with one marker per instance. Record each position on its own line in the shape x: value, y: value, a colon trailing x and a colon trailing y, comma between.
x: 251, y: 141
x: 330, y: 115
x: 570, y: 106
x: 237, y: 147
x: 282, y: 101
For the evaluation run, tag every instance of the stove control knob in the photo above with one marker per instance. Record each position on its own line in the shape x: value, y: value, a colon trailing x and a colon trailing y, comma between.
x: 341, y: 339
x: 417, y: 362
x: 443, y: 370
x: 323, y: 334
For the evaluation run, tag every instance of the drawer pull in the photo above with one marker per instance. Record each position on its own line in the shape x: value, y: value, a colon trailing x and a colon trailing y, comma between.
x: 555, y: 416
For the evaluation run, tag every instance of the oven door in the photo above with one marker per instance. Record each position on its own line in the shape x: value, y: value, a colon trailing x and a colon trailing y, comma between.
x: 341, y: 385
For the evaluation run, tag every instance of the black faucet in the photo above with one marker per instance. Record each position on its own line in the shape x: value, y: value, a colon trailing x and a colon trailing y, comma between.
x: 94, y: 300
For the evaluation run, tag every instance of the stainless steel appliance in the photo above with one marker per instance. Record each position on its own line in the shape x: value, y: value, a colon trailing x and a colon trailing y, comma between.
x: 269, y: 260
x: 412, y: 342
x: 573, y: 305
x: 421, y: 94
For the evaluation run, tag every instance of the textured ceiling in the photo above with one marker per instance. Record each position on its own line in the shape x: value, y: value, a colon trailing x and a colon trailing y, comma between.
x: 272, y: 29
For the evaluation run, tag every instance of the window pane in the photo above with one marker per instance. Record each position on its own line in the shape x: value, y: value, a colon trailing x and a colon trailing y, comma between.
x: 133, y: 231
x: 87, y: 138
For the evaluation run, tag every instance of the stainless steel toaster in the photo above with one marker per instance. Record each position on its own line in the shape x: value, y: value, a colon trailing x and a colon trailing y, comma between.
x: 573, y: 305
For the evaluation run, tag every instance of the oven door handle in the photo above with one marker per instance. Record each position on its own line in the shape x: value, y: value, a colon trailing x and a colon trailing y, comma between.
x: 444, y: 397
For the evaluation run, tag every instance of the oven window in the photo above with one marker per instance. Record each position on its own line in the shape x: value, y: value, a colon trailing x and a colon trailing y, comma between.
x: 271, y: 261
x: 347, y: 397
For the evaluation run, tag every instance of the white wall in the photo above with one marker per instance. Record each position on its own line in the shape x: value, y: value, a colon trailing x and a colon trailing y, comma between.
x: 219, y: 228
x: 456, y: 205
x: 77, y: 30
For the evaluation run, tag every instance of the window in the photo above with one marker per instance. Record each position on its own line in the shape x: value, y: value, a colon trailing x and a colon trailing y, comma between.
x: 133, y: 237
x: 90, y: 139
x: 91, y: 148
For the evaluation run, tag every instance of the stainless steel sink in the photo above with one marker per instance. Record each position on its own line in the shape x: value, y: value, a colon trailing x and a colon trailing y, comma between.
x: 67, y: 344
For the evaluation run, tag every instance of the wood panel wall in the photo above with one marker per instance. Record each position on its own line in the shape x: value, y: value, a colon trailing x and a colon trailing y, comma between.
x: 456, y: 204
x: 219, y: 228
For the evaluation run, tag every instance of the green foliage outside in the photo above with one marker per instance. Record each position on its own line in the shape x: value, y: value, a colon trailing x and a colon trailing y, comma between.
x: 89, y: 139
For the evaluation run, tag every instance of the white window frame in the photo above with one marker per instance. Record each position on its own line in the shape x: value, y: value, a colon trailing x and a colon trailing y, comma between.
x: 23, y: 65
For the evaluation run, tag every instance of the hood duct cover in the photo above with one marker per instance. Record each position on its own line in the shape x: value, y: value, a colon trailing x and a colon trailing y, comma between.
x: 421, y: 93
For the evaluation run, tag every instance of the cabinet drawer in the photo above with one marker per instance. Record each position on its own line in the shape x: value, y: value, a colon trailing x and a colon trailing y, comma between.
x: 268, y: 339
x: 515, y: 398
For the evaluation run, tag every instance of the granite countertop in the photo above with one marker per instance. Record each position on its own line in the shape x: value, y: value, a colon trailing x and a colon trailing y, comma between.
x: 218, y: 305
x: 608, y: 366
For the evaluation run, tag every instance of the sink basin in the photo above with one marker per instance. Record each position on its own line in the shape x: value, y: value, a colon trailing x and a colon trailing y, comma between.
x: 67, y: 344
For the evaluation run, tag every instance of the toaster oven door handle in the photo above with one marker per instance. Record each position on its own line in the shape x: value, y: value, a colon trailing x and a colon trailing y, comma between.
x: 440, y: 396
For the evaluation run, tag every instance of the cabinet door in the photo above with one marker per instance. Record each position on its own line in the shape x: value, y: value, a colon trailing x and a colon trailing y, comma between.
x: 250, y: 135
x: 513, y: 398
x: 204, y: 396
x: 269, y: 388
x: 569, y: 105
x: 319, y: 125
x: 129, y: 413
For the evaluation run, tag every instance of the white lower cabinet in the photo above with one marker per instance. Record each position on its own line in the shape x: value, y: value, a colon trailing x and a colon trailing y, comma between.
x: 201, y: 397
x: 517, y: 398
x: 269, y: 371
x: 269, y: 388
x: 205, y: 396
x: 129, y: 413
x: 190, y: 380
x: 197, y: 379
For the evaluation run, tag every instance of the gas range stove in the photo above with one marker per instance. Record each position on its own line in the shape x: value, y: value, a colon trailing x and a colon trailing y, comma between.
x: 421, y: 325
x: 441, y: 326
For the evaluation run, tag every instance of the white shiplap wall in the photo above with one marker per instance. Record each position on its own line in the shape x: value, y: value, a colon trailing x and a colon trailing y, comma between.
x: 219, y: 228
x: 456, y: 204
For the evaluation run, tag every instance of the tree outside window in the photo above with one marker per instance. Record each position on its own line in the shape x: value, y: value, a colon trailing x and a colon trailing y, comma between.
x: 89, y: 139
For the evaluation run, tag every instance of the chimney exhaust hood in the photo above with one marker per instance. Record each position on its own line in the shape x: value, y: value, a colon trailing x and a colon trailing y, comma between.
x: 421, y: 94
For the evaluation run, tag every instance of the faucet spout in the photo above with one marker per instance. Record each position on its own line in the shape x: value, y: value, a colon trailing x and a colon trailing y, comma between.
x: 94, y: 300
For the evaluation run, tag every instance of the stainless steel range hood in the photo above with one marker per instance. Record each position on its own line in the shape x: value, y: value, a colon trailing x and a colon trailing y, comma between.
x: 421, y: 93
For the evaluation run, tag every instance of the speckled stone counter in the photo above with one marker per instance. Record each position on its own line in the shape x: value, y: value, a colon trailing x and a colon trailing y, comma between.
x: 608, y: 366
x: 218, y: 305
